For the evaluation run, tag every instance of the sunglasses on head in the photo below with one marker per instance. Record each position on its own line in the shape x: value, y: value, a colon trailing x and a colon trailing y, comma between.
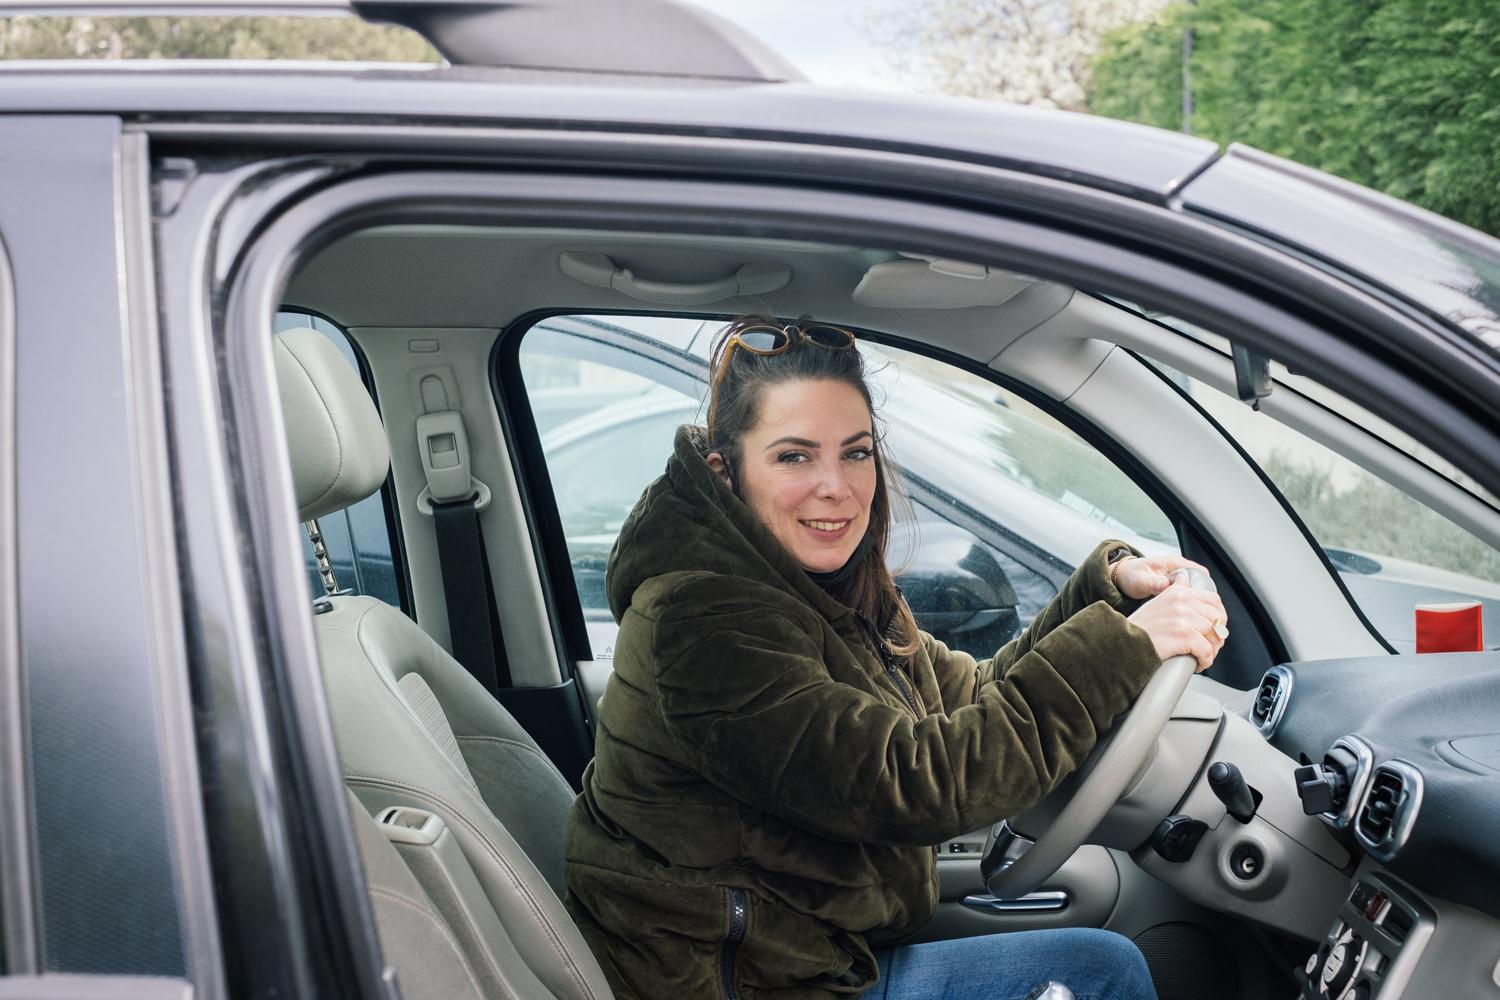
x: 766, y: 340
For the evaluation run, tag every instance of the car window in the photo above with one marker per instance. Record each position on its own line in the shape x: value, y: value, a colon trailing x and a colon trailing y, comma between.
x: 1003, y: 500
x: 1391, y: 551
x: 358, y: 538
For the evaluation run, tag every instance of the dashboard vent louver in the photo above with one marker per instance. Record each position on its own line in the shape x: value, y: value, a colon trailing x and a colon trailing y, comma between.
x: 1385, y: 795
x: 1390, y: 808
x: 1270, y: 700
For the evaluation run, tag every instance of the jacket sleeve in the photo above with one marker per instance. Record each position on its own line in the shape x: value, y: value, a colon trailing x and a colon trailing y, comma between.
x: 960, y: 678
x: 745, y: 696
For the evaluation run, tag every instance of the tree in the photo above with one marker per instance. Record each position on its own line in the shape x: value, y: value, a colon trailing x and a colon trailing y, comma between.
x: 1037, y: 52
x: 1400, y: 95
x: 209, y: 38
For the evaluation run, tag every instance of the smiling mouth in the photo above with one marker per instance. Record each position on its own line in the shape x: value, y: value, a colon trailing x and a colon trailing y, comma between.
x: 827, y: 525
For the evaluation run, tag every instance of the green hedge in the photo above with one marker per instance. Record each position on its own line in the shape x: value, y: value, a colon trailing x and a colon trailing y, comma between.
x: 1399, y: 95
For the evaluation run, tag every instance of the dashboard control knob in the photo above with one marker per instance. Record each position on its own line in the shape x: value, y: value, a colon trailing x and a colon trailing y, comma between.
x: 1315, y: 963
x: 1228, y: 784
x: 1176, y: 837
x: 1343, y: 962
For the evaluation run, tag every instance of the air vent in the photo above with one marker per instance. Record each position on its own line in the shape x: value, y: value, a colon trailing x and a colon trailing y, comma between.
x: 1380, y: 808
x: 1389, y: 809
x: 1335, y: 788
x: 1271, y: 699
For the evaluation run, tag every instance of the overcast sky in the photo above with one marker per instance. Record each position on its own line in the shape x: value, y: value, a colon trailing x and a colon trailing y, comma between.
x: 823, y: 38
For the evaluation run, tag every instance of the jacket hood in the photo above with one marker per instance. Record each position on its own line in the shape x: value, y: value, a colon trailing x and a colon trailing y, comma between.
x: 689, y: 521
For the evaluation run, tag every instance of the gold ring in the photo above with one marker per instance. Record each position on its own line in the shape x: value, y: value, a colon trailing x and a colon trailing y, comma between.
x: 1219, y: 629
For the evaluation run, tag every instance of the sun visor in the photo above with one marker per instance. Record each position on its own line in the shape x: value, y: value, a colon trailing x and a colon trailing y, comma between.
x: 937, y: 283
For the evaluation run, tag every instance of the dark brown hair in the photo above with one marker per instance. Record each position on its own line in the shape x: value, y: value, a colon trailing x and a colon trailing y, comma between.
x: 741, y: 378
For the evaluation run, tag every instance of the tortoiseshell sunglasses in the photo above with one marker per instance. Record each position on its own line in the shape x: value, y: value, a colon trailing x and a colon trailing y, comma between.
x: 768, y: 340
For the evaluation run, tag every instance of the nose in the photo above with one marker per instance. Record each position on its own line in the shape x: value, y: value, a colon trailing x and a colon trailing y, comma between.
x: 835, y: 485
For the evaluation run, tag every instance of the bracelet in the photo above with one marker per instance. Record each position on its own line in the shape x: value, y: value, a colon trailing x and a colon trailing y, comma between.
x: 1114, y: 570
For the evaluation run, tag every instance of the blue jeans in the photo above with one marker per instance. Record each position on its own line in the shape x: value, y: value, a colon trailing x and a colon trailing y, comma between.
x: 1094, y: 964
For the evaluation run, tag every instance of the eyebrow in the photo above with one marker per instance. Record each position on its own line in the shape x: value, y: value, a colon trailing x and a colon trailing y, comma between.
x: 804, y: 442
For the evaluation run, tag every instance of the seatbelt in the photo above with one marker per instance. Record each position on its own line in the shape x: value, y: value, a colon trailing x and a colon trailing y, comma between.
x: 450, y: 498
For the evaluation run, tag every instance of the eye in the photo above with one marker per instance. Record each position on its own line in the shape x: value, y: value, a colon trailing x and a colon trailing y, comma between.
x: 859, y: 454
x: 792, y: 457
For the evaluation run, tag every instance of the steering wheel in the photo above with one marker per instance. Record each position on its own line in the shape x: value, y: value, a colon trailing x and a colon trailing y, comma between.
x: 1013, y: 864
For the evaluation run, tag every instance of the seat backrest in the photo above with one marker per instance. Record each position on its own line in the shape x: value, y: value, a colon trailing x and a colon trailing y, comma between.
x: 415, y: 729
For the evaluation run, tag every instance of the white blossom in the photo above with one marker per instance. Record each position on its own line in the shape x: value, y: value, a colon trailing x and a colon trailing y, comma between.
x: 1024, y: 51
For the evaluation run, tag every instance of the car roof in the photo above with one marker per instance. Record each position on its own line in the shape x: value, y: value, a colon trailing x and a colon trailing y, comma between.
x: 1129, y: 159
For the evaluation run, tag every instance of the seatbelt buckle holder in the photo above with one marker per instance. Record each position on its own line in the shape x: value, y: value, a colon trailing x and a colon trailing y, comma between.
x: 444, y: 445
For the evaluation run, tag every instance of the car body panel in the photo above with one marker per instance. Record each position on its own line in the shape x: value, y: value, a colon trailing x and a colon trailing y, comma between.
x: 1119, y: 156
x: 1447, y: 268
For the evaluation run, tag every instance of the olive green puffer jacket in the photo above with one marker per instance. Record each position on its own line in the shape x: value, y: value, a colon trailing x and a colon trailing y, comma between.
x: 765, y: 793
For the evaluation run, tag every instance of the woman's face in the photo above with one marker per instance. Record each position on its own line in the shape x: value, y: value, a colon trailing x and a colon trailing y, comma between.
x: 808, y: 470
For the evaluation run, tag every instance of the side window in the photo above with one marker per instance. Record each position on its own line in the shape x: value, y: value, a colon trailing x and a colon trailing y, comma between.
x: 358, y: 538
x: 1391, y: 550
x: 985, y: 466
x: 1004, y: 500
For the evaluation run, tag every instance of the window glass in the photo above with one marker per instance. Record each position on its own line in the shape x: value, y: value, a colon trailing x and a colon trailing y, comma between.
x: 1392, y: 551
x: 358, y: 538
x: 1004, y: 500
x: 1369, y: 422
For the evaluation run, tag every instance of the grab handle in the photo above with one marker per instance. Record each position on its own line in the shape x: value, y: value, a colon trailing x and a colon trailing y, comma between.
x: 598, y: 269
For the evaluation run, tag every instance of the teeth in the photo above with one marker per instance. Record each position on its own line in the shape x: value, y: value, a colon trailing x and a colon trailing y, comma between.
x: 826, y: 525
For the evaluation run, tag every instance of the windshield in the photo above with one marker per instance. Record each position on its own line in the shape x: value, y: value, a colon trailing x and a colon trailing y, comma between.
x: 1431, y: 542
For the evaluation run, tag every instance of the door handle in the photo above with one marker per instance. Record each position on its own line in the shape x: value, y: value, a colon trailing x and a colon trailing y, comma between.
x: 1032, y: 902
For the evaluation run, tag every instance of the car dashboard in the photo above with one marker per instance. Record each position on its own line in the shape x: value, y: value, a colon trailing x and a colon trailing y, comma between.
x: 1400, y: 758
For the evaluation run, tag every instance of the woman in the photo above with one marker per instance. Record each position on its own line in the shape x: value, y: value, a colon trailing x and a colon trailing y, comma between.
x: 780, y: 746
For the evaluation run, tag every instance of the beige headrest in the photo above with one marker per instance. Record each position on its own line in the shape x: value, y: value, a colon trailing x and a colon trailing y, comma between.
x: 339, y: 452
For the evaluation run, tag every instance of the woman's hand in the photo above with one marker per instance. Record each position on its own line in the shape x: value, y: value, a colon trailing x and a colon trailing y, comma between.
x: 1182, y: 620
x: 1140, y: 578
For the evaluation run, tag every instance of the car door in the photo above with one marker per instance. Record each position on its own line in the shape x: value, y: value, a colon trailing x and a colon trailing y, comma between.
x: 1070, y: 373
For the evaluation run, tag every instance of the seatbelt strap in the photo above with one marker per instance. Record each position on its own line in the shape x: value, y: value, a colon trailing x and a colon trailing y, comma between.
x: 466, y: 591
x: 473, y: 625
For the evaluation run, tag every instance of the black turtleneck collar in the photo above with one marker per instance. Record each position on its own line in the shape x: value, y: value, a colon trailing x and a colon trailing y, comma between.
x: 838, y: 576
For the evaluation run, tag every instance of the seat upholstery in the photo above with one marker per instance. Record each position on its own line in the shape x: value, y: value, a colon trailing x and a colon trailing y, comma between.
x: 373, y: 654
x: 414, y: 937
x: 415, y: 729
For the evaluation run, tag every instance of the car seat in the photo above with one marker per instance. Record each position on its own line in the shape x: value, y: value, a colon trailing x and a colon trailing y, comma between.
x: 416, y: 731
